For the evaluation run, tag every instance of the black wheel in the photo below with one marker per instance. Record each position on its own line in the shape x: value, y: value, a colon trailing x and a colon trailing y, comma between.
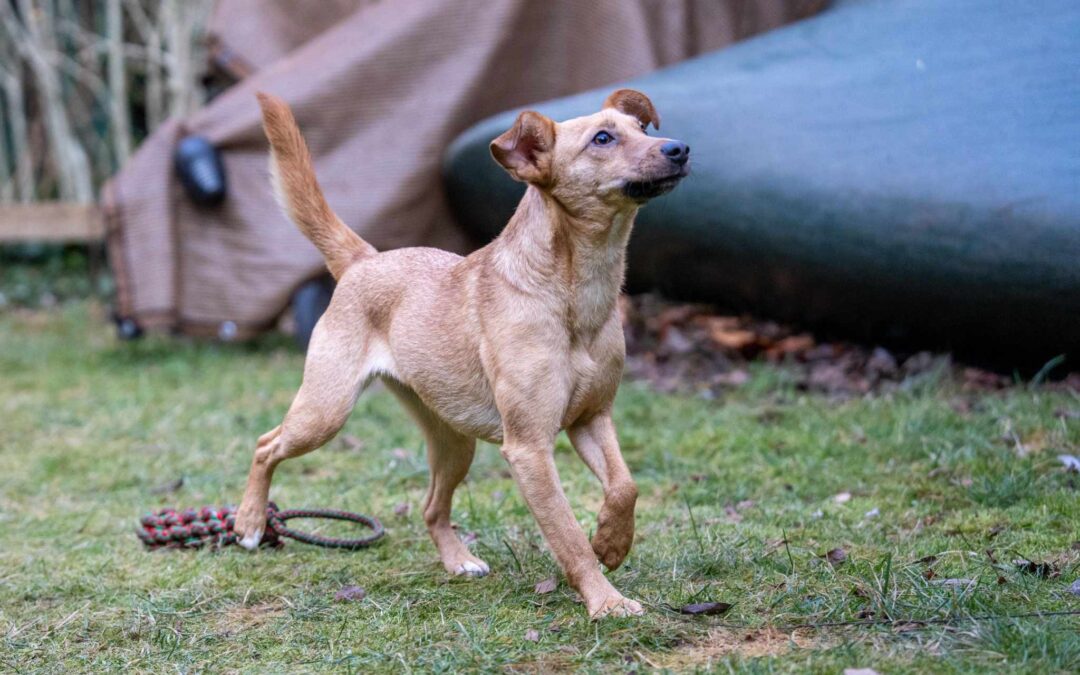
x: 308, y: 304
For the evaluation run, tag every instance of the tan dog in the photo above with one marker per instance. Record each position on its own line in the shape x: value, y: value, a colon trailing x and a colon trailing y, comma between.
x: 512, y: 344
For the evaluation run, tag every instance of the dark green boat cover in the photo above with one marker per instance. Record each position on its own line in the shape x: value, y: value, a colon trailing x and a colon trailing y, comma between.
x: 905, y: 172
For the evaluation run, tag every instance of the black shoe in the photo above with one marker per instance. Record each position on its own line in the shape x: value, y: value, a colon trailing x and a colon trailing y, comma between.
x: 198, y: 164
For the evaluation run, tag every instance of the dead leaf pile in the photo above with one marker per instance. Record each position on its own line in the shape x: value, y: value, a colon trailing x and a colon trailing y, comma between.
x: 692, y: 347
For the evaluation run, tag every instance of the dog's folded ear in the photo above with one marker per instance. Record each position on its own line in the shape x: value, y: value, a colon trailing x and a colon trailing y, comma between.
x: 525, y: 150
x: 635, y: 104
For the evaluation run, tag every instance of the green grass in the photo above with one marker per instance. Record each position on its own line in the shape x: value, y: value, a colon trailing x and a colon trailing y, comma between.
x: 89, y: 427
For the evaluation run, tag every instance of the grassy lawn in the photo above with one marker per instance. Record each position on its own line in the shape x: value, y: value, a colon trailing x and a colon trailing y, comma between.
x: 740, y: 497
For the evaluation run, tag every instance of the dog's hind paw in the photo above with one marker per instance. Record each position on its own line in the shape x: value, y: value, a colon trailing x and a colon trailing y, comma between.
x: 251, y: 541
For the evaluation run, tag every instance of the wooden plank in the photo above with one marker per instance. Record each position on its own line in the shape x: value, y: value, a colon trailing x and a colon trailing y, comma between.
x: 51, y: 222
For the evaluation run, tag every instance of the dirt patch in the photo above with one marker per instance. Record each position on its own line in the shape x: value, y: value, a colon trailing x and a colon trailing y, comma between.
x: 239, y: 619
x: 724, y: 642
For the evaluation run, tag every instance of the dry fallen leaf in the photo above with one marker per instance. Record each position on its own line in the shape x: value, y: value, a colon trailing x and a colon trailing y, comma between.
x: 352, y: 442
x: 168, y: 488
x: 954, y: 583
x: 705, y: 608
x: 532, y: 635
x: 547, y: 585
x: 836, y: 556
x: 1042, y: 570
x: 350, y: 594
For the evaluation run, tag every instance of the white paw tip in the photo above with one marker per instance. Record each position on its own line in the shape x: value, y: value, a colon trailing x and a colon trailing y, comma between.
x: 251, y: 541
x: 471, y: 569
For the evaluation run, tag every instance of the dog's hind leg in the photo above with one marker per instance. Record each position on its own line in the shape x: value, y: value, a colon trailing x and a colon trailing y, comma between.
x: 338, y: 365
x: 449, y: 455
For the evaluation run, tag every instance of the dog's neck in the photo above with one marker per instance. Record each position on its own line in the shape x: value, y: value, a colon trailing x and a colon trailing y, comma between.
x: 575, y: 261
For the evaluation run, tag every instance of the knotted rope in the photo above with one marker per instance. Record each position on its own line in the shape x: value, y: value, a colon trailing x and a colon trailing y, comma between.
x: 213, y: 527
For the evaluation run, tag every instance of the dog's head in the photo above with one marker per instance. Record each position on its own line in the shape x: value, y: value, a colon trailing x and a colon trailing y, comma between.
x: 599, y: 163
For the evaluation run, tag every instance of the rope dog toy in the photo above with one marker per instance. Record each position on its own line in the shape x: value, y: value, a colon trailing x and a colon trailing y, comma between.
x: 213, y: 527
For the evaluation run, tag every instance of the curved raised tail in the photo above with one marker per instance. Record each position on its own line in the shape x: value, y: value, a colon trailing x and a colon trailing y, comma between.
x: 298, y: 192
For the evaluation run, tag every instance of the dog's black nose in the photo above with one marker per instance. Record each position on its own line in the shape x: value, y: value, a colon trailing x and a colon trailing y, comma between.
x: 676, y: 151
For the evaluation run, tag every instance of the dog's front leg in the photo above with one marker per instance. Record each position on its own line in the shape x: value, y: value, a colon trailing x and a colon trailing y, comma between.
x: 598, y: 446
x: 532, y: 463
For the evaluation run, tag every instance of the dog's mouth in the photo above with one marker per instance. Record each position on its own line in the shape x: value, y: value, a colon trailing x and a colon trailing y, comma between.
x: 642, y: 191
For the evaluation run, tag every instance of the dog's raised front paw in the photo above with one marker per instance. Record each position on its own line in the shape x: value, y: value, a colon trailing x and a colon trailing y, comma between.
x: 614, y: 537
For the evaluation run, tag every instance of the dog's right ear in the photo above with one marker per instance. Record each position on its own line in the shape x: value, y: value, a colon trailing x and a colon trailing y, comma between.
x: 525, y: 150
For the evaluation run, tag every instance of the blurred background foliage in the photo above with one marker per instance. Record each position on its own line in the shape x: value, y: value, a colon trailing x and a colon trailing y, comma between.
x: 82, y: 82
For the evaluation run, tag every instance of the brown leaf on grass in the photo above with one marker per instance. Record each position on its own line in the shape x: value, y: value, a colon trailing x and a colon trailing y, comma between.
x: 954, y: 583
x: 774, y: 545
x: 532, y: 635
x: 1043, y: 570
x: 352, y: 442
x: 836, y: 556
x: 402, y: 509
x: 546, y: 586
x: 929, y: 573
x: 793, y: 345
x: 168, y: 488
x: 705, y: 608
x: 350, y: 594
x: 733, y: 516
x: 726, y: 333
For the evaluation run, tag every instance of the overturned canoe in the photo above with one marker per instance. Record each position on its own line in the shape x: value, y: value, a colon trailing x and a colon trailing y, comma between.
x: 899, y: 172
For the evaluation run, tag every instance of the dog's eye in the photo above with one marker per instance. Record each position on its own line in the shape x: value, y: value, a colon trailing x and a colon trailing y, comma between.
x: 602, y: 138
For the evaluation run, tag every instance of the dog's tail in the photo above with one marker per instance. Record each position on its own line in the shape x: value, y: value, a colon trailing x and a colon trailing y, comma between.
x: 298, y: 192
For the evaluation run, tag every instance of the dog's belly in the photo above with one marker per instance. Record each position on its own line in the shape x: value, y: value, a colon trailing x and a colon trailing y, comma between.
x: 467, y: 406
x: 448, y: 378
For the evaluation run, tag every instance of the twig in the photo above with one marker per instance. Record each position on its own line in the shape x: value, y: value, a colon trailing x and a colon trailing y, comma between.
x: 118, y: 99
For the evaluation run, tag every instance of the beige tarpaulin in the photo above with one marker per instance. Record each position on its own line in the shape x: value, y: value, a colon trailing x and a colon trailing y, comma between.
x: 380, y: 88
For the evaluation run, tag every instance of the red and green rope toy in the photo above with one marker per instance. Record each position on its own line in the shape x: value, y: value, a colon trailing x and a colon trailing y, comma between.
x: 213, y: 527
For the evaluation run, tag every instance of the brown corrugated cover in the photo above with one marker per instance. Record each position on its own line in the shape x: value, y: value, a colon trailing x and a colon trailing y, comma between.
x: 380, y: 87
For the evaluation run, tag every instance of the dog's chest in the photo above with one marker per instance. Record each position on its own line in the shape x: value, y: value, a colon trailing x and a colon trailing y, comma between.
x: 594, y: 377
